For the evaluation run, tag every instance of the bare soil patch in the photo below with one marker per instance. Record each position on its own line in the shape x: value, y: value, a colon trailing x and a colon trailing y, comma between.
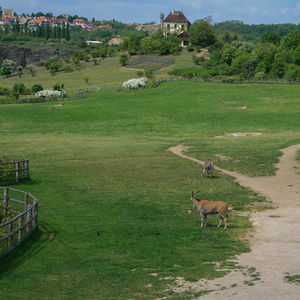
x: 275, y: 244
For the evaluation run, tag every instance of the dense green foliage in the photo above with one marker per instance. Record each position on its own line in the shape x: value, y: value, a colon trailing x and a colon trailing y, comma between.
x: 115, y: 220
x: 273, y: 57
x: 251, y: 33
x: 202, y: 33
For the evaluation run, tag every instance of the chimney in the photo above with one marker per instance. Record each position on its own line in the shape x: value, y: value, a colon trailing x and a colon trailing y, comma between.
x: 161, y: 20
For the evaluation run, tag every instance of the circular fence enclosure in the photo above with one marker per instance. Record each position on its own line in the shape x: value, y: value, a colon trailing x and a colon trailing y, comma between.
x: 18, y: 218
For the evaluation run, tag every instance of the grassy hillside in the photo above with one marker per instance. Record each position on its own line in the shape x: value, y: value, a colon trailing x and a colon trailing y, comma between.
x: 115, y: 220
x: 108, y: 72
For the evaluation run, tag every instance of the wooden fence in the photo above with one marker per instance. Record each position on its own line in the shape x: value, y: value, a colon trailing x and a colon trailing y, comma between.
x: 77, y: 95
x: 13, y: 169
x: 22, y: 222
x: 228, y: 80
x: 192, y: 78
x: 105, y: 89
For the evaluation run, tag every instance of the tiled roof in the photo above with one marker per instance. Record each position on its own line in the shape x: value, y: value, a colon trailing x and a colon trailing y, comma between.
x: 176, y: 16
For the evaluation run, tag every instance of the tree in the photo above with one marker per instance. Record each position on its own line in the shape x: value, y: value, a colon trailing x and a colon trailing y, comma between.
x: 16, y: 26
x: 1, y: 11
x: 39, y: 14
x: 268, y: 59
x: 271, y: 37
x: 291, y: 40
x: 202, y: 33
x: 36, y: 88
x: 297, y: 56
x: 278, y: 66
x: 67, y: 37
x: 63, y: 30
x: 47, y: 31
x: 31, y: 69
x: 20, y: 71
x: 6, y: 28
x: 228, y: 55
x: 123, y: 59
x: 8, y: 66
x: 18, y: 88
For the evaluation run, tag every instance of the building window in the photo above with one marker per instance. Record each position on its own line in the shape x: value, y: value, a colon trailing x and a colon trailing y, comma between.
x: 175, y: 26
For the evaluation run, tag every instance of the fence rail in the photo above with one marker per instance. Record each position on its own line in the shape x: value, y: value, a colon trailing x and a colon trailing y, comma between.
x: 16, y: 229
x: 77, y: 95
x: 16, y: 169
x: 193, y: 78
x: 105, y: 89
x: 229, y: 80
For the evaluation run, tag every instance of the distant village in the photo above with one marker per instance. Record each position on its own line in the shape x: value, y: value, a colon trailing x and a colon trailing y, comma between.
x: 174, y: 23
x: 9, y: 17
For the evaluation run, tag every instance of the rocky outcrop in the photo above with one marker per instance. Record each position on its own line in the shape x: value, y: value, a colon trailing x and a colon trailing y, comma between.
x: 24, y: 56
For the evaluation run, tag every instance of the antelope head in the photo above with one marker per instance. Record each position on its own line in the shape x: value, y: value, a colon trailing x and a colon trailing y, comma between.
x: 194, y: 195
x: 192, y: 199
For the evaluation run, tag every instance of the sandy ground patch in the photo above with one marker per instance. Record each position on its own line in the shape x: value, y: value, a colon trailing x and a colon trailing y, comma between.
x: 275, y: 244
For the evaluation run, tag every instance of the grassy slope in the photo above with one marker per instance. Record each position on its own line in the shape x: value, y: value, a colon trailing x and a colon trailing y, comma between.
x: 101, y: 165
x: 108, y: 72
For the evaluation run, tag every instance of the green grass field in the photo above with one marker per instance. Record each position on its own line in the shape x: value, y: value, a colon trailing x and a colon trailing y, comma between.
x: 115, y: 220
x: 109, y: 72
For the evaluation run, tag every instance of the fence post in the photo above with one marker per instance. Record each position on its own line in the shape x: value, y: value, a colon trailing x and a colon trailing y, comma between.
x: 28, y: 217
x: 5, y: 200
x: 10, y: 239
x: 20, y: 232
x: 34, y: 210
x: 25, y: 201
x: 26, y: 167
x: 17, y: 164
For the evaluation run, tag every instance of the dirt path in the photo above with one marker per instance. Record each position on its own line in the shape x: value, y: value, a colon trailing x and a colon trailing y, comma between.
x: 275, y: 243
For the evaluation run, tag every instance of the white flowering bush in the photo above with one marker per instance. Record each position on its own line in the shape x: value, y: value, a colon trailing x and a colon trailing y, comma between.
x: 135, y: 83
x: 50, y: 93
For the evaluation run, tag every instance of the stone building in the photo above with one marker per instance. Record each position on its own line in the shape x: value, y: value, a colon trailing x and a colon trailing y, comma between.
x: 174, y: 23
x: 8, y: 12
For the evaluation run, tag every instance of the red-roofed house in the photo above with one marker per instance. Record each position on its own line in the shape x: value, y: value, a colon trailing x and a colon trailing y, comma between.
x: 175, y: 22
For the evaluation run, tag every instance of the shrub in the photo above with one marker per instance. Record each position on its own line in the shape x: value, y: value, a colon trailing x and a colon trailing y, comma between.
x: 4, y: 91
x: 260, y: 75
x: 140, y: 73
x: 135, y: 83
x: 197, y: 60
x: 57, y: 87
x: 123, y: 59
x: 67, y: 69
x: 50, y: 93
x: 31, y: 68
x: 190, y: 48
x: 19, y: 88
x: 36, y: 88
x: 149, y: 73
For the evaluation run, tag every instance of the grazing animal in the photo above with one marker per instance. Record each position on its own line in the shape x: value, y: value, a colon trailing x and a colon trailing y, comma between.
x: 208, y: 168
x: 207, y: 207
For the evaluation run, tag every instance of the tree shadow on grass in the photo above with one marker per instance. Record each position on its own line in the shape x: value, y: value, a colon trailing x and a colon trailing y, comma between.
x: 35, y: 243
x: 14, y: 183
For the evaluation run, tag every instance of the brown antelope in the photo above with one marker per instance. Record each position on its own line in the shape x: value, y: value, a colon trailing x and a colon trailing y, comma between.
x: 208, y: 168
x: 207, y: 207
